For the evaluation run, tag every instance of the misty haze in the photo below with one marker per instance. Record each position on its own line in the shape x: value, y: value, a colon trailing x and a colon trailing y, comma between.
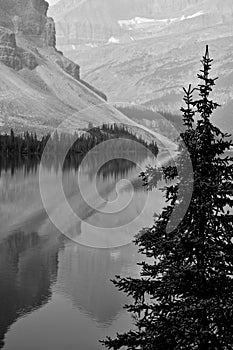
x: 116, y: 221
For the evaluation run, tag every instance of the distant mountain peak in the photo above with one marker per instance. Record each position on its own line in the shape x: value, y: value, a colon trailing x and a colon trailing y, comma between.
x: 40, y: 89
x: 145, y: 51
x: 96, y: 21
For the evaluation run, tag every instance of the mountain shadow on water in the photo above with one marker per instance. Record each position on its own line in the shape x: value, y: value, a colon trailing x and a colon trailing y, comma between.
x: 26, y: 276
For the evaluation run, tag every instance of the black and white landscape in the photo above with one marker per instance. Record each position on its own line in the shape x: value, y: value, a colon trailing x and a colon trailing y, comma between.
x: 115, y: 136
x: 144, y: 52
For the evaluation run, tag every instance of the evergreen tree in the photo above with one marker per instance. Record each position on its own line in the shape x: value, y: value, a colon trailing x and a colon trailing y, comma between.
x: 184, y: 296
x: 28, y: 144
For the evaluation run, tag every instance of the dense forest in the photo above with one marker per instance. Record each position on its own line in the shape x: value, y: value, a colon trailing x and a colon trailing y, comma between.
x: 13, y: 145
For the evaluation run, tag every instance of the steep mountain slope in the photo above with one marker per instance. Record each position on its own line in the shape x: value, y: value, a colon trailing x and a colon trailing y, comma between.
x: 40, y: 89
x: 157, y: 51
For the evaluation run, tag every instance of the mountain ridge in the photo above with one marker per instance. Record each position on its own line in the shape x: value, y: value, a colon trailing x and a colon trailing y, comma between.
x: 148, y: 64
x: 97, y: 21
x: 40, y: 89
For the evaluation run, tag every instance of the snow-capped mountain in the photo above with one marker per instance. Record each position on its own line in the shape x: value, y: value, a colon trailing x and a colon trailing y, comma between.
x: 40, y: 88
x: 96, y: 21
x: 145, y: 51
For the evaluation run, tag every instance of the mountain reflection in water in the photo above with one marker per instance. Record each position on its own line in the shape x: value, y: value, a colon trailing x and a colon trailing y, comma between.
x: 28, y: 267
x: 54, y: 293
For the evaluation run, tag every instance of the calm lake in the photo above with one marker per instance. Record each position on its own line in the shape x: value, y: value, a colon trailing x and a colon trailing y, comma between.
x: 55, y: 289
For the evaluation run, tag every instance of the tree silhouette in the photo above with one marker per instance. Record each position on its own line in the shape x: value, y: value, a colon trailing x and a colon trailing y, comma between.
x: 29, y: 144
x: 183, y: 298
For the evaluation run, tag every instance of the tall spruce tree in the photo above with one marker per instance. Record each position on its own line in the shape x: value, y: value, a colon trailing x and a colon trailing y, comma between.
x: 184, y: 296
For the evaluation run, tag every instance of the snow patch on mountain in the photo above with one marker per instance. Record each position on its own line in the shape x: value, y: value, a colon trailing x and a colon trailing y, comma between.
x: 200, y: 13
x: 197, y: 14
x: 91, y: 45
x: 135, y: 21
x: 141, y: 21
x: 113, y: 40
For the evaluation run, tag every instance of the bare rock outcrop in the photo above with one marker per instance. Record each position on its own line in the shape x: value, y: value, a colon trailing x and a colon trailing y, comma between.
x: 28, y: 38
x: 8, y: 49
x: 73, y: 69
x: 69, y: 66
x: 27, y: 19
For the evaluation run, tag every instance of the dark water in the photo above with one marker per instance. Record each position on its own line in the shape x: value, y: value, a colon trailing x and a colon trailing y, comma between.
x: 55, y: 292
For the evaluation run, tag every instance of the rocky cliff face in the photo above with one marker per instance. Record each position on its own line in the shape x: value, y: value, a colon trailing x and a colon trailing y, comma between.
x: 24, y: 19
x: 28, y: 17
x: 25, y: 28
x: 40, y: 88
x: 8, y: 49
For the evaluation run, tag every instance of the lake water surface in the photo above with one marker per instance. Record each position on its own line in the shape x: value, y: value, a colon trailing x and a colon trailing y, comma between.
x: 55, y: 289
